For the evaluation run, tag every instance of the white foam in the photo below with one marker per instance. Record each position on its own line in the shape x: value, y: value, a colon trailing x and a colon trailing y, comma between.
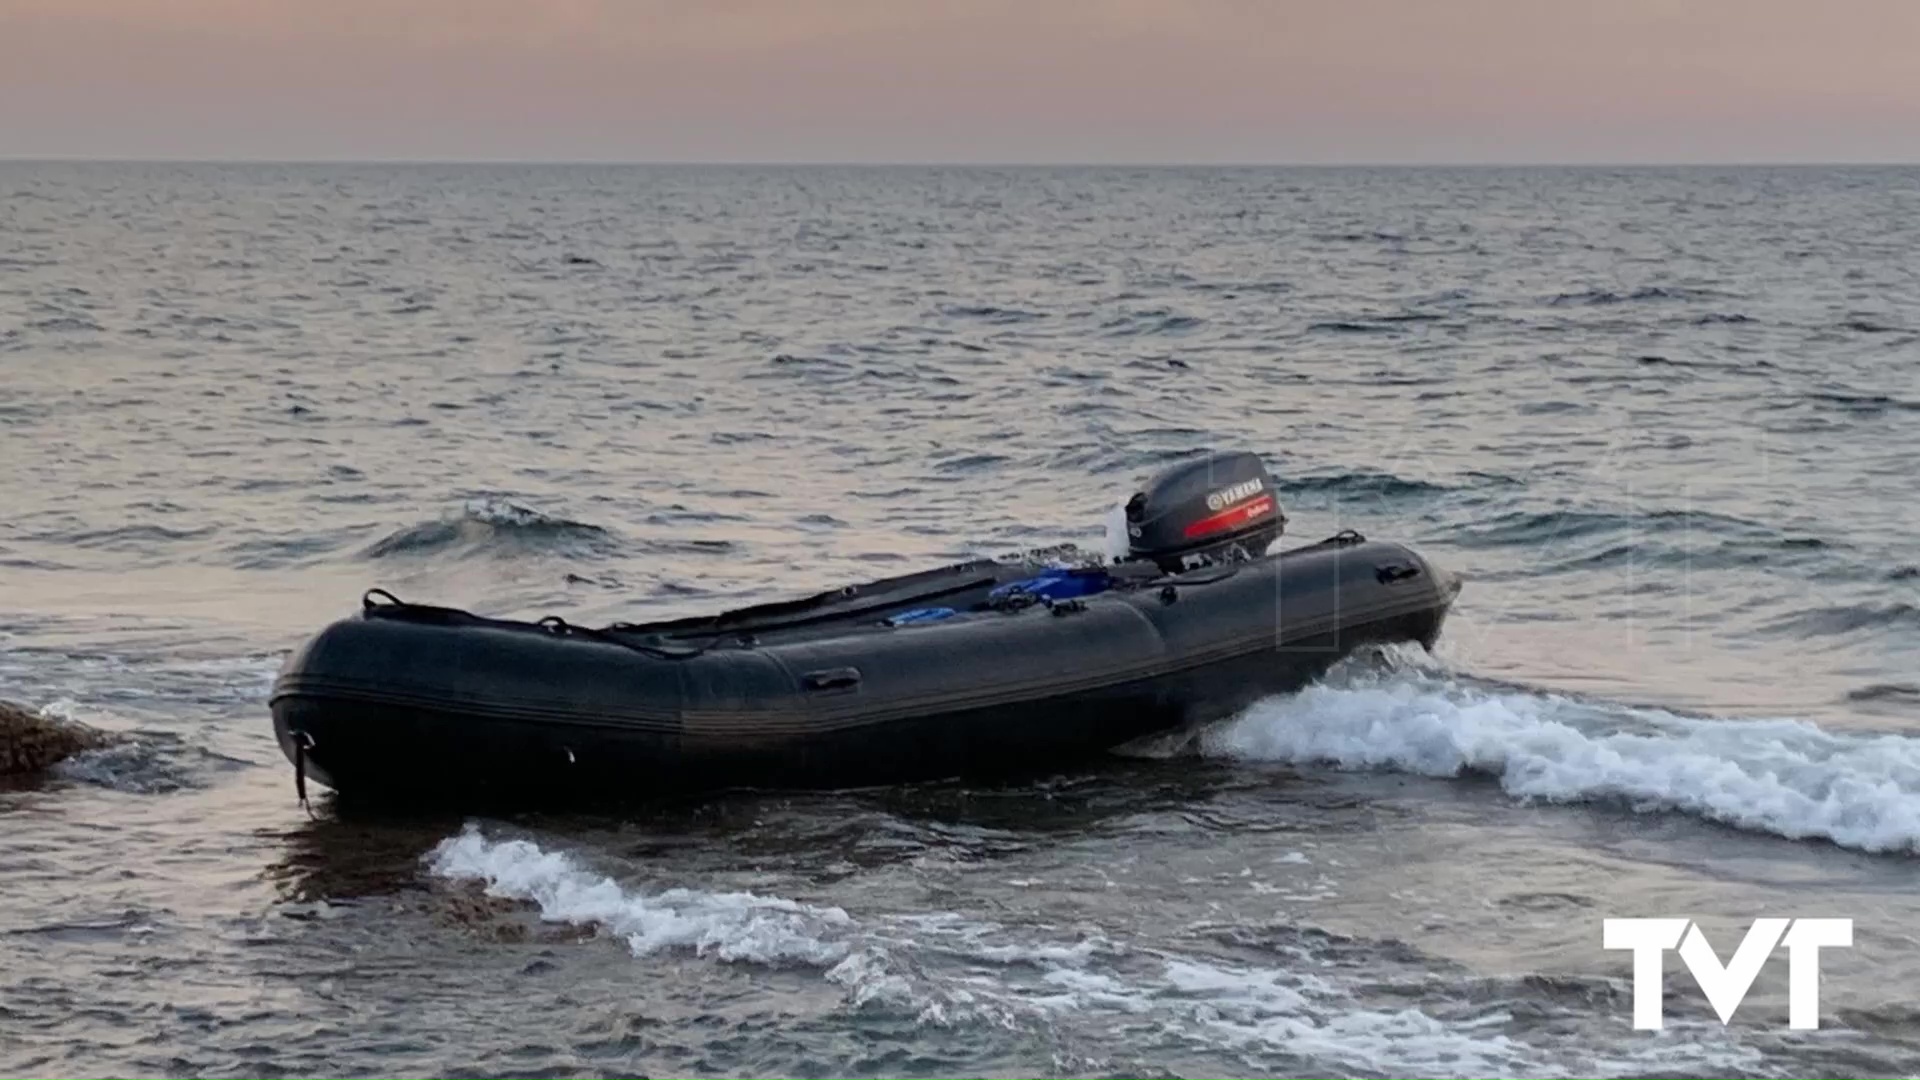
x: 70, y: 711
x: 1308, y: 1017
x: 868, y: 976
x: 495, y: 510
x: 943, y: 969
x: 1786, y: 777
x: 733, y: 926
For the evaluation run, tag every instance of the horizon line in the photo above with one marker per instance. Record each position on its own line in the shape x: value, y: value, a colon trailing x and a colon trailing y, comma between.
x: 805, y: 163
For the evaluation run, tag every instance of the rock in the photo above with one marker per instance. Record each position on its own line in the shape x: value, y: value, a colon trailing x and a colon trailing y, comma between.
x: 30, y: 742
x: 467, y: 907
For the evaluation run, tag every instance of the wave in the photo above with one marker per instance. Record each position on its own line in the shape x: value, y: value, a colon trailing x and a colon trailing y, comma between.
x: 1598, y: 297
x: 1347, y: 326
x: 1869, y: 326
x: 1374, y: 324
x: 971, y: 463
x: 1863, y: 404
x: 942, y: 969
x: 497, y: 526
x: 1357, y: 237
x: 1808, y: 557
x: 989, y: 313
x: 146, y: 764
x: 133, y: 538
x: 1667, y: 539
x: 7, y: 563
x: 1232, y: 289
x: 1379, y: 484
x: 1886, y: 692
x: 798, y: 360
x: 1842, y: 619
x: 1526, y: 528
x: 137, y: 761
x: 687, y: 547
x: 1142, y: 323
x: 1788, y: 778
x: 276, y: 552
x: 732, y: 926
x: 65, y: 324
x: 1657, y: 360
x: 796, y: 365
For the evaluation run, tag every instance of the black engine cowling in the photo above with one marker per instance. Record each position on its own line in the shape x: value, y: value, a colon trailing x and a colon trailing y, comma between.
x: 1216, y: 508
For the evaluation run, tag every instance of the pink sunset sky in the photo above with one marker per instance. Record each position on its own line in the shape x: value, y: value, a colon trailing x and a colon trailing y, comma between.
x: 1286, y: 81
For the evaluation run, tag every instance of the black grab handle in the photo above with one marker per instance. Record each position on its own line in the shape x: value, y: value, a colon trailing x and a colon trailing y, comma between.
x: 839, y: 678
x: 374, y: 598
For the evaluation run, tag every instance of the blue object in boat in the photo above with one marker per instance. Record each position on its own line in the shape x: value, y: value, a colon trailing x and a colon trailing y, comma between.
x: 919, y: 615
x: 1062, y: 583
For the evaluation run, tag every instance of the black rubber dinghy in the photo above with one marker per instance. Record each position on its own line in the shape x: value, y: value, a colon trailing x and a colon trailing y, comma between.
x: 987, y: 667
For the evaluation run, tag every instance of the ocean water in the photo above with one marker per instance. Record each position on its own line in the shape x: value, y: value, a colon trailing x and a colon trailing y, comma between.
x: 1666, y: 422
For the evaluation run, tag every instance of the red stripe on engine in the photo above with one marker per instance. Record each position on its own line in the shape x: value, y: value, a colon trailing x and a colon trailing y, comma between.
x: 1230, y: 517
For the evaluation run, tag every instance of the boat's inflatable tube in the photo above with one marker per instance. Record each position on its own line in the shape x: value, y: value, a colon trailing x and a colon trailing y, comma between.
x: 942, y: 673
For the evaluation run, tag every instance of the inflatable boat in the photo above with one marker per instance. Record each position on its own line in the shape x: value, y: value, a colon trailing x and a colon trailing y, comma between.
x: 992, y: 666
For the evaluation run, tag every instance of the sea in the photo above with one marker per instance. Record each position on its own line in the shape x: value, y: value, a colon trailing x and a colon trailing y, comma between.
x: 1665, y: 422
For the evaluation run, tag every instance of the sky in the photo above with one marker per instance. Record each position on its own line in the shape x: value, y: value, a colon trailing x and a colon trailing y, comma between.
x: 993, y: 81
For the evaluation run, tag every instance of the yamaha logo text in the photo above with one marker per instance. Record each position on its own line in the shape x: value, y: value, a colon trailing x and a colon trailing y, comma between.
x: 1229, y: 496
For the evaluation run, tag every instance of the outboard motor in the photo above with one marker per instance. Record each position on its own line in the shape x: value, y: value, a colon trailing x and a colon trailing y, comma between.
x: 1218, y: 508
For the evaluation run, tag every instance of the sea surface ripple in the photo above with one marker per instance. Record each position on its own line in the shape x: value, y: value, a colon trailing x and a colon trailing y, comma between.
x: 1666, y: 421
